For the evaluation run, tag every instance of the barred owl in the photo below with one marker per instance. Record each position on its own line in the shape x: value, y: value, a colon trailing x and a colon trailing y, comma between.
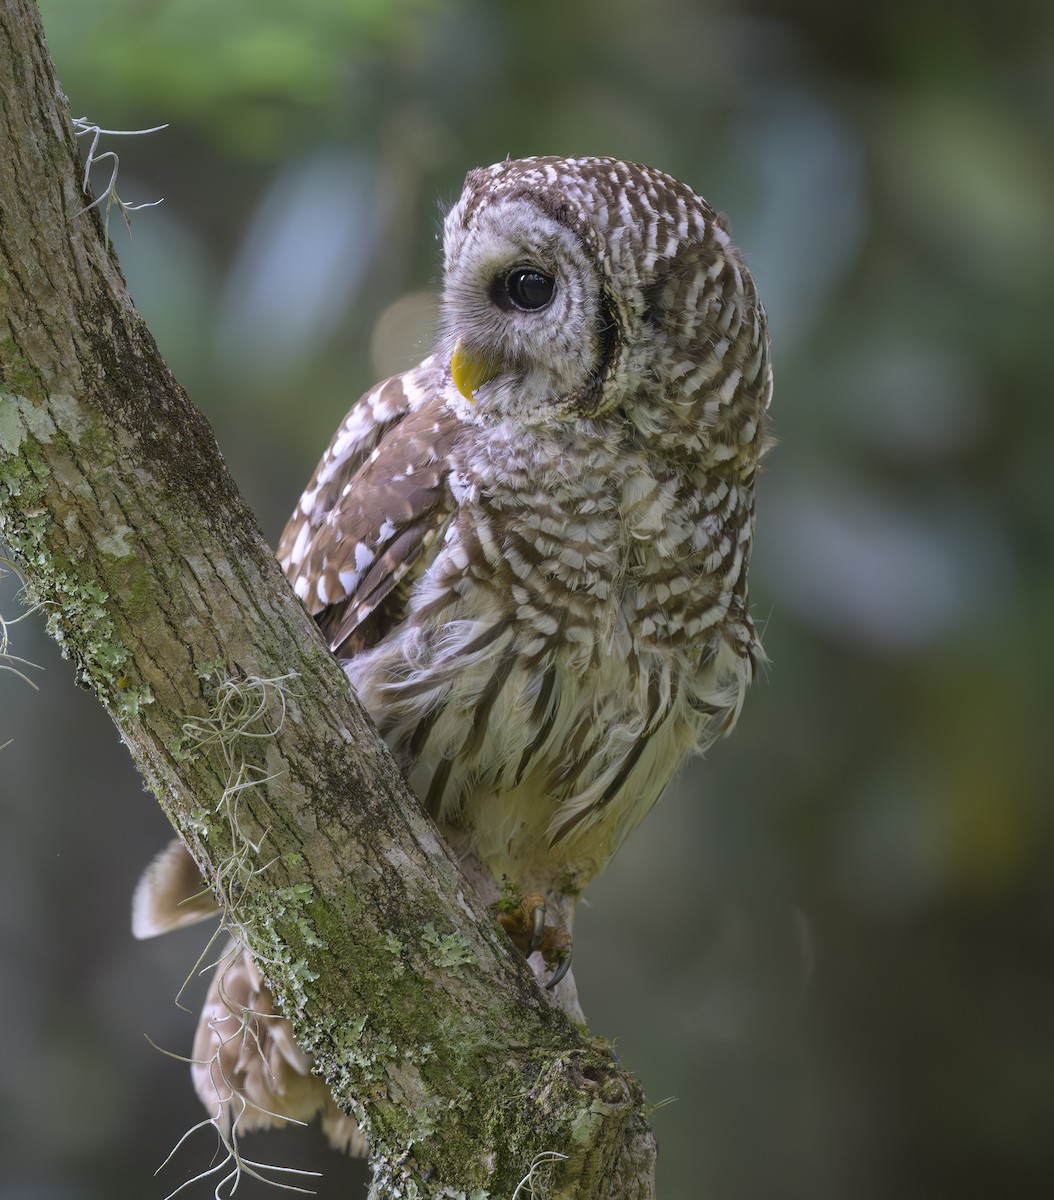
x: 530, y: 551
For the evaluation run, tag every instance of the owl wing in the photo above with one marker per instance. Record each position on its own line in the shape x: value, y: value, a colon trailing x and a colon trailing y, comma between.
x: 378, y: 500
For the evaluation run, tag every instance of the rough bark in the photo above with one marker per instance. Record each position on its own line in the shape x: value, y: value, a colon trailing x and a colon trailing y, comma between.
x: 153, y: 576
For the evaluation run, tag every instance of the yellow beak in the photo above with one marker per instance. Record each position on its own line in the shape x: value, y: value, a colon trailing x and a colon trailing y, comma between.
x: 471, y: 369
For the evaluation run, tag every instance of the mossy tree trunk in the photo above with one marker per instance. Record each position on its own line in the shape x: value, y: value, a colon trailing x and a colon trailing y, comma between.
x: 152, y: 574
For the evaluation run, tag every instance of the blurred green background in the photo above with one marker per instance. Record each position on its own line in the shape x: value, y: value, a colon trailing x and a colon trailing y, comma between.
x: 833, y: 942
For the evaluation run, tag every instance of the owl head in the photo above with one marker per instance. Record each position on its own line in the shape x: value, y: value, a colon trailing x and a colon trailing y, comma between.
x: 576, y: 288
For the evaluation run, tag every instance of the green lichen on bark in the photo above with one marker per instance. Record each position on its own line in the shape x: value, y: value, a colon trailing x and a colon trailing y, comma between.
x: 448, y: 951
x: 18, y: 375
x: 76, y: 608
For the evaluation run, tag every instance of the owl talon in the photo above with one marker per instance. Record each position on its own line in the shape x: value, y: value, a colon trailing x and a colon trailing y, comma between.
x: 537, y: 929
x: 562, y: 968
x: 524, y: 922
x: 525, y: 925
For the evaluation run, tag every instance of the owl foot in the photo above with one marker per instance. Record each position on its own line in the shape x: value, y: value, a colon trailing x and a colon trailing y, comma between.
x: 524, y: 922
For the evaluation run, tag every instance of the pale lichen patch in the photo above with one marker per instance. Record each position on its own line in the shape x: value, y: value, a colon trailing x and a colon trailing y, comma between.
x: 21, y: 418
x: 12, y: 427
x: 115, y: 544
x: 585, y: 1126
x: 69, y: 415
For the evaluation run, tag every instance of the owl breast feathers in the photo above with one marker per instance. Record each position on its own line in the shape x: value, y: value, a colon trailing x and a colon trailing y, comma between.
x: 531, y: 550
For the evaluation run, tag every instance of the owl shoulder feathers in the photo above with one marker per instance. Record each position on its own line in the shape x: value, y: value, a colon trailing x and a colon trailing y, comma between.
x: 376, y: 505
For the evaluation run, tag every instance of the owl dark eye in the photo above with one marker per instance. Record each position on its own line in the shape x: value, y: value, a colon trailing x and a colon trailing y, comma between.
x: 528, y: 288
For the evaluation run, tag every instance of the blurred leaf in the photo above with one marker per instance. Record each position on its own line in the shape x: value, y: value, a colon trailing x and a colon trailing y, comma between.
x: 236, y: 67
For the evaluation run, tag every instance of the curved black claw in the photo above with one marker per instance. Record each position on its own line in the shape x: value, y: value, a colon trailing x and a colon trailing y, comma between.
x: 537, y: 929
x: 524, y: 922
x: 561, y: 970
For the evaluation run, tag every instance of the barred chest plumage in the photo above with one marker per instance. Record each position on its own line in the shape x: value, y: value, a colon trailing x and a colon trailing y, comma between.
x: 531, y: 550
x: 581, y: 628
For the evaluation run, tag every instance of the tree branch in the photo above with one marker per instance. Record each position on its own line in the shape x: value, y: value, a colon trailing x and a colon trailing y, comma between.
x: 153, y: 575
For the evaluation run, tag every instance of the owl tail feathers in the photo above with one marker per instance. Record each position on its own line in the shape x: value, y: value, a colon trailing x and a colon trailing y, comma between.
x: 170, y: 894
x: 248, y: 1071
